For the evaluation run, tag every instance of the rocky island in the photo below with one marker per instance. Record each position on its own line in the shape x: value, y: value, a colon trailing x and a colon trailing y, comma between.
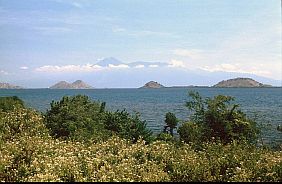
x: 9, y: 86
x: 240, y: 83
x: 152, y: 84
x: 79, y: 84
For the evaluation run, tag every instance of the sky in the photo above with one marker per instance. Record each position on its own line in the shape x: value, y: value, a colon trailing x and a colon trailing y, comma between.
x: 42, y: 42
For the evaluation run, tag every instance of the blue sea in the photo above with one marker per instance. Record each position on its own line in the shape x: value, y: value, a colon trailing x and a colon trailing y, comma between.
x: 262, y: 104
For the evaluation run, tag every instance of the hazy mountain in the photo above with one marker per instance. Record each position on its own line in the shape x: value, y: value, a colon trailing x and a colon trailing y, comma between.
x: 110, y: 60
x: 136, y: 75
x: 79, y: 84
x: 61, y: 85
x: 240, y: 82
x: 9, y: 86
x: 152, y: 84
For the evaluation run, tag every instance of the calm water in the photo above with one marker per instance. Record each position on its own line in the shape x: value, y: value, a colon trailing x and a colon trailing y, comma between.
x: 262, y: 104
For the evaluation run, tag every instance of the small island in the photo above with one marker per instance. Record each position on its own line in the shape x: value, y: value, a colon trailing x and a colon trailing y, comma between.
x: 79, y: 84
x: 9, y: 86
x: 240, y: 83
x: 152, y: 84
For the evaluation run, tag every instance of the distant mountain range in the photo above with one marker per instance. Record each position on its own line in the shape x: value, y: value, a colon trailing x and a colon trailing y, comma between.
x: 79, y: 84
x: 9, y: 86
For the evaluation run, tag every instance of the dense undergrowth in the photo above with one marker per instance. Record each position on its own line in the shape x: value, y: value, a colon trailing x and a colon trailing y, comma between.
x: 60, y: 145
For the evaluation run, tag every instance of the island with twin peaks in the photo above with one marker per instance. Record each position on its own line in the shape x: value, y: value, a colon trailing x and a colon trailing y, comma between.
x: 79, y: 84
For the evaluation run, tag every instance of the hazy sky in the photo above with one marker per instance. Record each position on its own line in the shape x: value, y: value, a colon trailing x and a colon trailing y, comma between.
x: 39, y: 38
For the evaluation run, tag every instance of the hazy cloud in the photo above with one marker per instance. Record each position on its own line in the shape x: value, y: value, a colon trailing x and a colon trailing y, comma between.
x: 237, y: 67
x: 191, y: 53
x: 177, y: 63
x: 2, y: 72
x: 24, y: 67
x: 153, y: 66
x: 139, y: 66
x: 69, y: 68
x: 53, y: 30
x: 118, y: 66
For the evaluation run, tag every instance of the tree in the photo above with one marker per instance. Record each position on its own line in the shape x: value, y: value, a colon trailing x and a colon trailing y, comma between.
x: 218, y: 118
x: 76, y: 117
x: 127, y: 126
x: 171, y: 122
x: 9, y: 103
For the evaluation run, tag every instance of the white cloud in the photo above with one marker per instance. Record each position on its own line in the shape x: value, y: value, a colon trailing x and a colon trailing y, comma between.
x: 177, y: 63
x: 79, y: 68
x: 153, y: 66
x: 2, y: 72
x: 24, y: 67
x: 118, y: 66
x: 139, y: 66
x: 69, y: 68
x: 238, y: 67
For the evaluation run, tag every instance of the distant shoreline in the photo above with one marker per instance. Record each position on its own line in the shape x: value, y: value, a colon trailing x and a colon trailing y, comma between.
x: 148, y: 88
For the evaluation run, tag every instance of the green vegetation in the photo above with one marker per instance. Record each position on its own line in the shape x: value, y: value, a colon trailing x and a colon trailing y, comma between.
x: 127, y: 126
x: 76, y: 118
x: 9, y: 103
x: 79, y: 140
x: 171, y: 122
x: 217, y: 118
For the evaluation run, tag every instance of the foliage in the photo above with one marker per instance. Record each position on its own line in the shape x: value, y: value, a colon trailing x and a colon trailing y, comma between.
x: 21, y: 122
x: 127, y: 126
x: 76, y: 118
x: 9, y: 103
x: 191, y: 132
x: 47, y: 159
x: 220, y: 119
x: 79, y: 118
x: 171, y: 122
x: 165, y: 137
x: 29, y: 154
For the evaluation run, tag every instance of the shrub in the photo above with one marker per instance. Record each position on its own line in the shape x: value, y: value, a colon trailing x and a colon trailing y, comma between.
x: 127, y: 126
x: 171, y: 122
x: 220, y: 119
x: 9, y: 103
x: 76, y: 118
x: 21, y: 122
x: 81, y: 119
x: 191, y: 132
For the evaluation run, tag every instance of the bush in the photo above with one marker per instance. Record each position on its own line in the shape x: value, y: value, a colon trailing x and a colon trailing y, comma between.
x: 9, y: 103
x: 191, y: 132
x: 27, y: 153
x: 171, y: 122
x: 220, y: 119
x: 45, y: 159
x: 79, y: 118
x: 127, y: 126
x: 76, y: 118
x: 21, y: 122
